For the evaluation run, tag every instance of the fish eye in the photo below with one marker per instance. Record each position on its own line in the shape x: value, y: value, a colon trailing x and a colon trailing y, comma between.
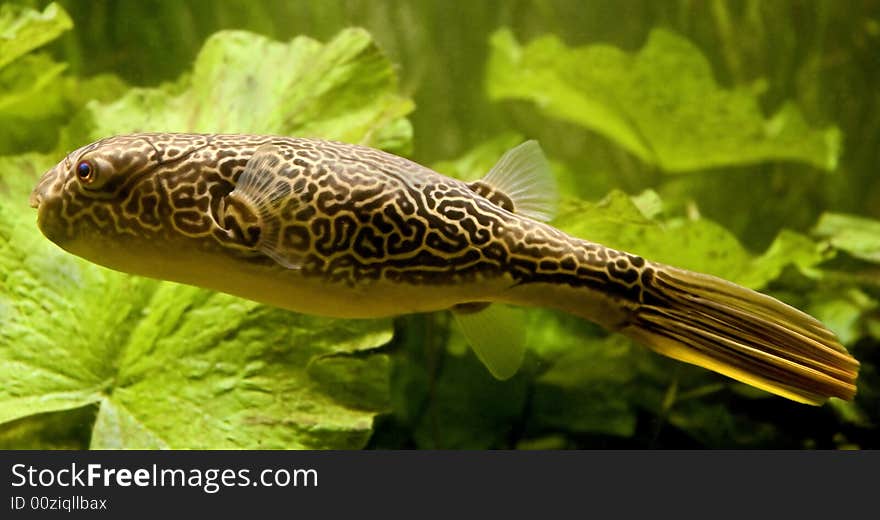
x: 85, y: 172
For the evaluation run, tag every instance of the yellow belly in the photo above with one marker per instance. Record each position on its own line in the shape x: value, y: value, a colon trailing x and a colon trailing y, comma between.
x: 285, y: 288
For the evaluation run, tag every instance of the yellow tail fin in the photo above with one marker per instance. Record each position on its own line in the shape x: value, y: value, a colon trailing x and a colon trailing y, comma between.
x: 743, y: 334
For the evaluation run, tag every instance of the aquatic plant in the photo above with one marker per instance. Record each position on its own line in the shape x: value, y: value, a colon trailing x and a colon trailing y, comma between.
x: 91, y: 357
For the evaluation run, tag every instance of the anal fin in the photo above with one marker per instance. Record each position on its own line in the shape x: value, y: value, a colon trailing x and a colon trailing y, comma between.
x: 496, y: 333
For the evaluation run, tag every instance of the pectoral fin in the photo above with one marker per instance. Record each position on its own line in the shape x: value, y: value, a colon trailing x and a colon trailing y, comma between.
x: 497, y: 335
x: 263, y: 189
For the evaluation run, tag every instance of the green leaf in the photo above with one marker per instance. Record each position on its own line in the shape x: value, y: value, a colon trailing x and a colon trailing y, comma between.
x: 696, y: 244
x: 30, y: 87
x: 23, y: 29
x: 789, y: 248
x: 477, y: 161
x: 587, y: 387
x: 35, y: 96
x: 662, y: 103
x: 842, y: 311
x: 37, y: 99
x: 858, y: 236
x: 241, y: 82
x: 244, y: 375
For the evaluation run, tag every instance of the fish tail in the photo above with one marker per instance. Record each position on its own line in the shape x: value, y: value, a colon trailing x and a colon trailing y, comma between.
x: 743, y: 334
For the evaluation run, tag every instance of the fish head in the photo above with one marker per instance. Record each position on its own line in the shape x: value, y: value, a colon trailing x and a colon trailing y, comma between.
x: 134, y: 202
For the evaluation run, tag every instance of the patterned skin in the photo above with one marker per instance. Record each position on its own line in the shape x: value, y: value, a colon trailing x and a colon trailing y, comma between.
x: 351, y: 231
x: 361, y: 221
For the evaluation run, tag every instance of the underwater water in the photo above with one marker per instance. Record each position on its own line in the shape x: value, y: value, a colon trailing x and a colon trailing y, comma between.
x: 733, y: 138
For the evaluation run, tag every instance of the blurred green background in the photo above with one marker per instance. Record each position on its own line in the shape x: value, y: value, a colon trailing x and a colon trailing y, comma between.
x: 582, y: 388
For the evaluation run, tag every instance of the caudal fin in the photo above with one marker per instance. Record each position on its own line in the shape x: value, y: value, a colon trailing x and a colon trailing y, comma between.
x: 743, y: 334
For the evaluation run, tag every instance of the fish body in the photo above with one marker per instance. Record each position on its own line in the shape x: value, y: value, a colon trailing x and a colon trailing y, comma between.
x: 343, y: 230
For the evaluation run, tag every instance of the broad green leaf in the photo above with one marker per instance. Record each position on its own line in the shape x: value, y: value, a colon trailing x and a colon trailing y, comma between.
x: 36, y: 97
x: 789, y: 248
x: 23, y: 29
x: 30, y: 87
x: 661, y: 103
x: 587, y: 387
x: 246, y: 83
x: 616, y: 222
x: 244, y: 375
x: 858, y: 236
x: 696, y: 244
x: 842, y: 311
x: 41, y: 94
x: 477, y: 161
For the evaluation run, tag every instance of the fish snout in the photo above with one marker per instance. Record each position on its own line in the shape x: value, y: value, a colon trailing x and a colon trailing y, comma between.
x: 46, y: 197
x: 36, y: 197
x: 42, y: 190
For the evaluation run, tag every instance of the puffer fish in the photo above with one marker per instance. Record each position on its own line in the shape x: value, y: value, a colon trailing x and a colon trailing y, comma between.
x: 347, y: 231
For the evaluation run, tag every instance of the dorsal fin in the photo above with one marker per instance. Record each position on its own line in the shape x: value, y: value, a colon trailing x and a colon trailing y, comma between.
x: 496, y: 333
x: 522, y: 177
x: 263, y: 188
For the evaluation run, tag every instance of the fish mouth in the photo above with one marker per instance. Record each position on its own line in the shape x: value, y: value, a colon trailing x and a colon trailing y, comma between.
x: 36, y: 198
